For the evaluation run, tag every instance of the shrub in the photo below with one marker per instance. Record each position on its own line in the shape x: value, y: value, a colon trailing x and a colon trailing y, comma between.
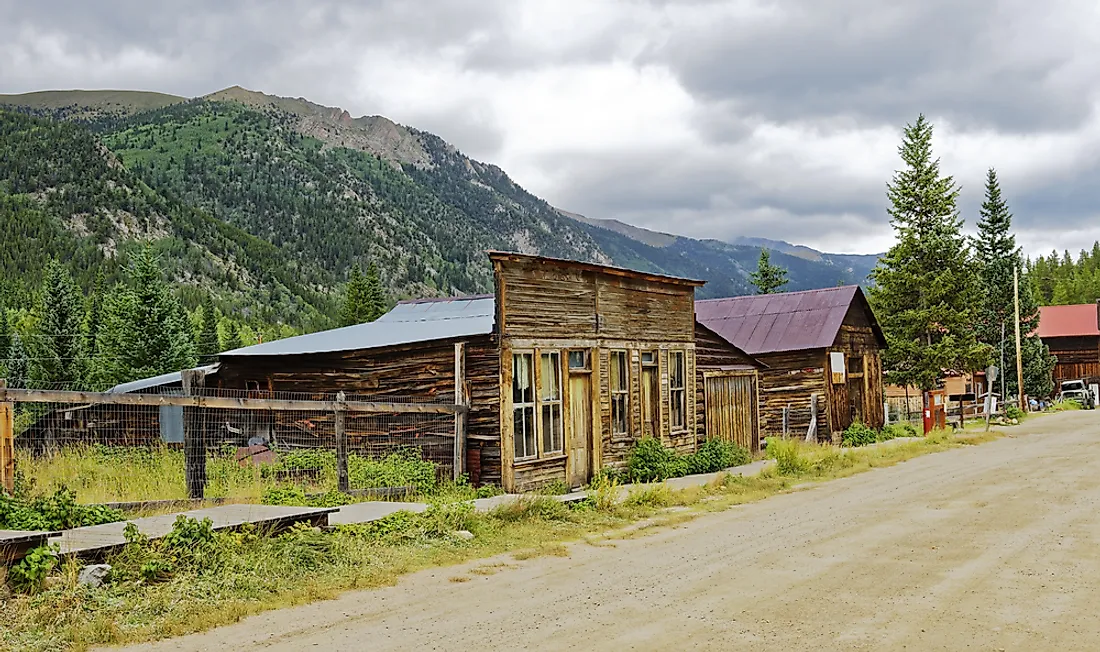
x: 788, y: 458
x: 191, y: 546
x: 605, y: 490
x: 29, y: 575
x: 715, y: 455
x: 58, y: 511
x: 650, y: 461
x: 858, y: 434
x: 895, y: 430
x: 1014, y: 412
x: 555, y: 488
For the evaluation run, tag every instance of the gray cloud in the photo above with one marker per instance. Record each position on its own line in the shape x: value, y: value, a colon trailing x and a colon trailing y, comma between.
x: 786, y: 121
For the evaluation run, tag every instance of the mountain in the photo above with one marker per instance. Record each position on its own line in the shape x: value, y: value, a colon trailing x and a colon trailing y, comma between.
x: 269, y: 201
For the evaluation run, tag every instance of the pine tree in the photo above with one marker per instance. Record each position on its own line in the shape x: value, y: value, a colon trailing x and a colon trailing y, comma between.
x: 997, y: 257
x: 768, y: 278
x: 18, y: 365
x: 208, y: 345
x: 356, y: 308
x: 375, y: 294
x: 93, y: 322
x: 5, y: 335
x: 924, y: 290
x: 58, y: 360
x: 232, y: 340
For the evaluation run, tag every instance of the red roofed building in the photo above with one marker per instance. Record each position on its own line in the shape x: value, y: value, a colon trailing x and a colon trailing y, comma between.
x: 1073, y: 335
x: 825, y: 343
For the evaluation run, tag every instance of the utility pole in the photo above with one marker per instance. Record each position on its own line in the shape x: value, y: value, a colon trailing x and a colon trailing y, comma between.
x: 1004, y: 396
x: 1019, y: 360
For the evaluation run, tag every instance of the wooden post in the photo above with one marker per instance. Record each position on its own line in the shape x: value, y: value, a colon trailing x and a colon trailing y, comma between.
x: 7, y: 444
x: 341, y: 446
x: 194, y: 443
x: 811, y: 432
x: 786, y: 420
x: 1019, y: 360
x: 460, y: 415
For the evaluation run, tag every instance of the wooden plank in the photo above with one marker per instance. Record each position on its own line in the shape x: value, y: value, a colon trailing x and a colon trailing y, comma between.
x: 342, y: 481
x: 7, y: 443
x: 507, y: 423
x: 221, y: 402
x: 194, y: 445
x: 460, y: 399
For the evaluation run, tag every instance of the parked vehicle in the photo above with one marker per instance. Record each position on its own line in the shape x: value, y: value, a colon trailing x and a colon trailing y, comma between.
x: 1078, y: 390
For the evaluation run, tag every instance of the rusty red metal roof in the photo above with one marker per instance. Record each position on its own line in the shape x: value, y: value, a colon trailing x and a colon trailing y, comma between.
x: 1082, y: 320
x: 791, y: 321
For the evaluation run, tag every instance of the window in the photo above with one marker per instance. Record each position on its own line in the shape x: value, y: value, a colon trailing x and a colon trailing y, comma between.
x: 855, y: 364
x: 523, y: 405
x: 578, y: 359
x: 677, y: 396
x: 649, y: 357
x: 550, y: 402
x: 620, y: 392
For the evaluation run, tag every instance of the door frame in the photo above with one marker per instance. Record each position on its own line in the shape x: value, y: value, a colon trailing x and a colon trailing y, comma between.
x: 731, y: 373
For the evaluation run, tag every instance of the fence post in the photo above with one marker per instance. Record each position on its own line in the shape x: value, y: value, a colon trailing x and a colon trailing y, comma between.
x: 7, y: 443
x: 811, y: 432
x: 194, y: 443
x: 786, y: 420
x: 886, y: 413
x: 341, y: 445
x: 460, y: 415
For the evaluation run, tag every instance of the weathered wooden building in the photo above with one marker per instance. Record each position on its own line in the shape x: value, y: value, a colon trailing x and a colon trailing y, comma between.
x: 1073, y: 335
x: 821, y: 347
x: 565, y: 367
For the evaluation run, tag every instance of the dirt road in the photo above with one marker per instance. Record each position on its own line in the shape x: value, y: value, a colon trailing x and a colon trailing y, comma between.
x: 993, y: 547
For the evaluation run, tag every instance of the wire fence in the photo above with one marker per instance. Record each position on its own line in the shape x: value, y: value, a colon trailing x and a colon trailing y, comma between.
x: 171, y: 444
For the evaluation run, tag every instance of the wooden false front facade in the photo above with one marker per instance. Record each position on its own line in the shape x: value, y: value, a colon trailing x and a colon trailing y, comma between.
x: 1078, y: 358
x: 592, y: 360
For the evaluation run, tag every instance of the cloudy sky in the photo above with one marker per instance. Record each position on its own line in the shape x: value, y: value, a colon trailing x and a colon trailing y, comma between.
x: 705, y: 118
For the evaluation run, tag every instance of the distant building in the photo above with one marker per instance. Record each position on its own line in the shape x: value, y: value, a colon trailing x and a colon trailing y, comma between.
x: 1073, y: 335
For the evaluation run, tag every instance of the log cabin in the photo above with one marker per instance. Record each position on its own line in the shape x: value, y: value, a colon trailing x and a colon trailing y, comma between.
x: 566, y: 366
x: 822, y: 351
x: 1073, y: 335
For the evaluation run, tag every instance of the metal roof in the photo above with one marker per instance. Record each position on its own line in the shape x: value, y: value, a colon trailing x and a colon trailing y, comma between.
x: 1081, y: 320
x: 409, y: 322
x: 156, y: 381
x: 790, y: 321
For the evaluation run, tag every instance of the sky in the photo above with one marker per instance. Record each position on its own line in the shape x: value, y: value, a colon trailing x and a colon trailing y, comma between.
x: 702, y: 118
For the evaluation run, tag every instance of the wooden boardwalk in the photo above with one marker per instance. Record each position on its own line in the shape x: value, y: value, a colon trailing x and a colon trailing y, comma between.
x: 15, y: 544
x: 104, y: 538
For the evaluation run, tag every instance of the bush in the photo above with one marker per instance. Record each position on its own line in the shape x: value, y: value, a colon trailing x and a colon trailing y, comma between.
x: 651, y: 461
x: 788, y: 458
x: 29, y: 575
x: 58, y: 511
x: 715, y: 455
x: 1014, y: 412
x: 858, y: 434
x: 895, y: 430
x: 191, y: 546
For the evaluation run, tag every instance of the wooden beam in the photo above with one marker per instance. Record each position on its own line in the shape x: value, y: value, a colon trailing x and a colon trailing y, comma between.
x: 7, y: 443
x: 194, y: 442
x: 460, y: 399
x: 342, y: 482
x: 44, y: 396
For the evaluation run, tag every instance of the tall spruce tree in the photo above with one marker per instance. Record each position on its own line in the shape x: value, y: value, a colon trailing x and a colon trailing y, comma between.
x: 232, y: 340
x: 18, y: 365
x: 768, y: 278
x: 93, y: 322
x: 58, y: 346
x: 208, y: 344
x: 5, y: 336
x: 145, y: 331
x: 997, y: 256
x: 924, y: 293
x: 356, y: 308
x: 375, y: 295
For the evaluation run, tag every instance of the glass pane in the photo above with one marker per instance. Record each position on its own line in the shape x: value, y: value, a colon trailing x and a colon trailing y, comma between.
x: 529, y: 435
x: 521, y: 378
x: 550, y: 377
x: 551, y: 428
x: 523, y: 421
x: 578, y: 360
x: 676, y: 360
x: 647, y: 357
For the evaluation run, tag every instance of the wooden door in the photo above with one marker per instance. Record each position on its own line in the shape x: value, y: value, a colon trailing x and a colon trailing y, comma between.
x: 731, y: 409
x: 651, y: 417
x: 580, y: 429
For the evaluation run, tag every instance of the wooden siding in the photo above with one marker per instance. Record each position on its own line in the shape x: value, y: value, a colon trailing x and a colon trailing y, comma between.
x: 530, y: 476
x: 730, y: 407
x: 861, y: 395
x: 790, y: 380
x: 713, y: 353
x: 1078, y: 358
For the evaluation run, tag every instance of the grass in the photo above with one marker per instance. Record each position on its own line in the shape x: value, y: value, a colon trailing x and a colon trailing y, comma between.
x: 260, y: 573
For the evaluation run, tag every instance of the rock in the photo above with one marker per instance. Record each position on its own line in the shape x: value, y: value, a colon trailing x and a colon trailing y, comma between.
x: 93, y: 575
x: 465, y: 535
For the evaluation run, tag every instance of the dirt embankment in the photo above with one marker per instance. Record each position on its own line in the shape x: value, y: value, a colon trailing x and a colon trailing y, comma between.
x: 984, y: 548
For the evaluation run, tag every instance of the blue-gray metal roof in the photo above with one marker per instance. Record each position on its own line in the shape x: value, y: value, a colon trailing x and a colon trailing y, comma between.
x: 156, y: 381
x: 410, y: 322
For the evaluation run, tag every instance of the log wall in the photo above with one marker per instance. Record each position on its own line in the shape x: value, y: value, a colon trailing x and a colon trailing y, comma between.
x: 1078, y: 358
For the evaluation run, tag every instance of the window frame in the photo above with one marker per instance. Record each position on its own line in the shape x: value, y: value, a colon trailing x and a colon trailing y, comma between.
x: 544, y: 402
x: 619, y: 395
x: 517, y: 437
x: 677, y: 396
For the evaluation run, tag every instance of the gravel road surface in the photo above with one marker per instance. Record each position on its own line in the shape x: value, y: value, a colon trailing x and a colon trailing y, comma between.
x: 991, y: 547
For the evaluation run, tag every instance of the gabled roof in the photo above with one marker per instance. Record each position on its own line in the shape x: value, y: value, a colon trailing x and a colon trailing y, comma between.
x: 790, y: 321
x: 157, y: 381
x: 410, y: 322
x: 1082, y: 320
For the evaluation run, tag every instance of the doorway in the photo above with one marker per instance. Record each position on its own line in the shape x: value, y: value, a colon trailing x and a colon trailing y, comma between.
x: 650, y: 396
x: 579, y: 444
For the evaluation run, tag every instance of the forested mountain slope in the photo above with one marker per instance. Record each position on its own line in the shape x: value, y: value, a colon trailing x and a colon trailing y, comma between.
x: 268, y: 202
